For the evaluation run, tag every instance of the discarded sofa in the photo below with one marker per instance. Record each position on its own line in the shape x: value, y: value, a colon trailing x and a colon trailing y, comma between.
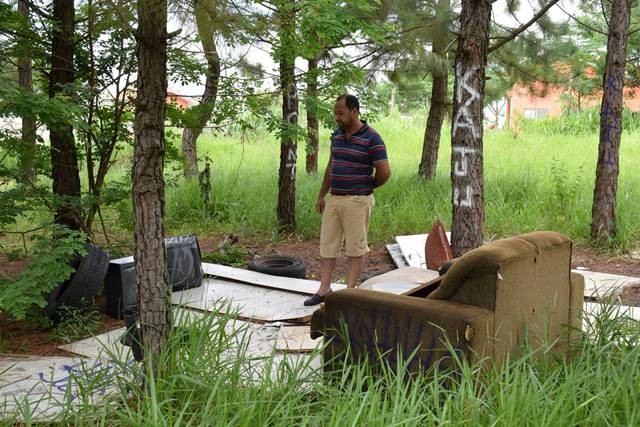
x: 488, y: 304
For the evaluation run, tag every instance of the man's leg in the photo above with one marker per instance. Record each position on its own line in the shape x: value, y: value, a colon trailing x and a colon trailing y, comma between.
x: 355, y: 264
x: 326, y: 274
x: 330, y: 242
x: 356, y: 227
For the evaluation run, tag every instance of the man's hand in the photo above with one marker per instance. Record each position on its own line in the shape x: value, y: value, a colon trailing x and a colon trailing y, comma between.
x: 320, y: 205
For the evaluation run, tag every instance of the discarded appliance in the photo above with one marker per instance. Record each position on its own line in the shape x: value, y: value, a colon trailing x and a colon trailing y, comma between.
x: 183, y: 262
x: 487, y: 304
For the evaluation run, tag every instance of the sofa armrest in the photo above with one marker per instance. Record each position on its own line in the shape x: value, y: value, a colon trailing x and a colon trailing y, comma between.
x: 576, y: 302
x: 370, y: 324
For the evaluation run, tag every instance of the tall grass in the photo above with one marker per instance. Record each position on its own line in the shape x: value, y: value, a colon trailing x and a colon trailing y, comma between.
x: 532, y: 182
x: 209, y: 379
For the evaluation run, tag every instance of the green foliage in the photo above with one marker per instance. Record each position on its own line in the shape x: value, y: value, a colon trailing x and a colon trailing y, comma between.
x: 578, y: 123
x: 228, y: 254
x: 75, y: 323
x: 49, y: 266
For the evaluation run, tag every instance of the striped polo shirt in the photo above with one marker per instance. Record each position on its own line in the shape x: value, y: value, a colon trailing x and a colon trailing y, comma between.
x: 352, y: 160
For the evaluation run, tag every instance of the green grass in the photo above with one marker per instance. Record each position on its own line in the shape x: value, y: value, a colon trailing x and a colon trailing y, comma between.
x: 205, y: 380
x: 533, y: 182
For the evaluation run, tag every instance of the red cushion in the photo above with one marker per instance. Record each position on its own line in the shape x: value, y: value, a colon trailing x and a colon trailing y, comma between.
x: 437, y: 248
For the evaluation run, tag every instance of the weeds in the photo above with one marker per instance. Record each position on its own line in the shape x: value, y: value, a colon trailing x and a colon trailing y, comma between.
x: 76, y: 323
x: 214, y: 377
x: 228, y: 254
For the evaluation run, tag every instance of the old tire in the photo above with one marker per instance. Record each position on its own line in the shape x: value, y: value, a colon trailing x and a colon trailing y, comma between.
x: 86, y: 282
x: 279, y: 265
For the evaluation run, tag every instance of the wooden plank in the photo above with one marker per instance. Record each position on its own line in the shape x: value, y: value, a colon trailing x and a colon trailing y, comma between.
x: 302, y: 286
x: 296, y: 339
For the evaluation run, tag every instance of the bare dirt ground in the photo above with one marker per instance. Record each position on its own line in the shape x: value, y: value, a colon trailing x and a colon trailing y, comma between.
x: 22, y: 337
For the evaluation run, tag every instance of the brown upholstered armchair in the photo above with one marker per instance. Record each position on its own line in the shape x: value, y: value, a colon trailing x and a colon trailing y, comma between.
x: 488, y: 303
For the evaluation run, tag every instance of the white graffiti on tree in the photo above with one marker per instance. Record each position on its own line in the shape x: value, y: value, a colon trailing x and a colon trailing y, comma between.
x: 463, y: 117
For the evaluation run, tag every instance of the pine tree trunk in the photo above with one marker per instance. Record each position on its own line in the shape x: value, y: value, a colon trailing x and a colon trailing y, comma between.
x: 64, y: 158
x: 28, y: 135
x: 205, y: 23
x: 603, y: 214
x: 431, y: 143
x: 148, y: 183
x: 312, y: 117
x: 466, y: 129
x: 507, y: 114
x: 288, y: 145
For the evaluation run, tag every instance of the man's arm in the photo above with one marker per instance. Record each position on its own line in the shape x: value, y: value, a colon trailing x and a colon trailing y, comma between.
x: 324, y: 188
x: 382, y: 174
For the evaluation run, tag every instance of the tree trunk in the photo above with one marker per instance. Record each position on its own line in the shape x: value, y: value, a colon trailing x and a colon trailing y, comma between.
x: 312, y: 117
x: 603, y: 214
x: 466, y: 129
x: 205, y: 22
x: 288, y: 146
x: 64, y: 158
x: 154, y: 295
x: 431, y: 144
x: 28, y: 135
x: 507, y: 114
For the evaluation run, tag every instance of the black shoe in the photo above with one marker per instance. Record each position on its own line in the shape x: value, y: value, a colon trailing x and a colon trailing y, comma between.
x: 315, y: 299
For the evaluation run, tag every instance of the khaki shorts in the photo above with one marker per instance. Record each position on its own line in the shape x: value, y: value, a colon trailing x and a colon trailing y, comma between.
x: 345, y: 218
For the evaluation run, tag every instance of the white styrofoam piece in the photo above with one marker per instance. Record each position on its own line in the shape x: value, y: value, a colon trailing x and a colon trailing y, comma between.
x: 412, y: 247
x: 303, y: 286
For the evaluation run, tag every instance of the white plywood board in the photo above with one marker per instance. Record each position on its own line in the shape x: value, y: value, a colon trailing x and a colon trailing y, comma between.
x: 405, y: 277
x: 48, y: 385
x: 395, y: 252
x: 602, y: 286
x: 104, y: 346
x: 249, y: 302
x: 303, y: 286
x: 296, y: 339
x: 412, y: 248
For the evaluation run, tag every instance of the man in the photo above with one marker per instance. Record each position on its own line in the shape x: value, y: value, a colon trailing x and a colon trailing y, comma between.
x: 346, y: 196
